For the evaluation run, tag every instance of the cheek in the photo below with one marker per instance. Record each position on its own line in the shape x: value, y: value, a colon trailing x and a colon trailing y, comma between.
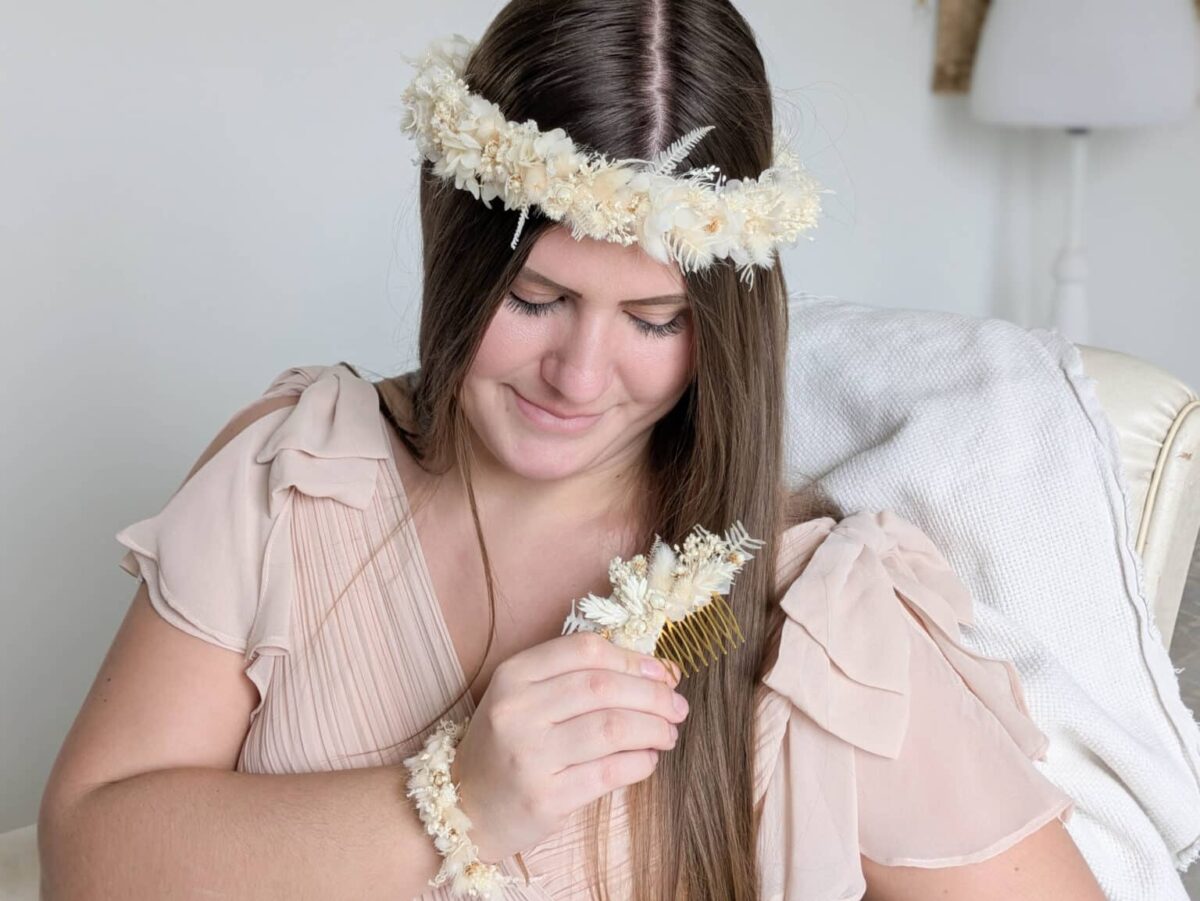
x: 507, y: 344
x: 657, y: 371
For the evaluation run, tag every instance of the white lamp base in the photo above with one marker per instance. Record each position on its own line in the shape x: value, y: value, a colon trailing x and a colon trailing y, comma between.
x: 1071, y: 269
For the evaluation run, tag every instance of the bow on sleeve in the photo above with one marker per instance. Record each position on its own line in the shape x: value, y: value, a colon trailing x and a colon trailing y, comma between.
x: 218, y: 559
x: 851, y: 616
x: 331, y: 443
x: 874, y: 721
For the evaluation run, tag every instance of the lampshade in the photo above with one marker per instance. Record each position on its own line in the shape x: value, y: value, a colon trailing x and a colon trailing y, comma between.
x: 1086, y: 63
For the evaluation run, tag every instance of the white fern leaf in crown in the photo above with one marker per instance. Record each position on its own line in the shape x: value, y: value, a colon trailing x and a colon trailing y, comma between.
x: 666, y: 161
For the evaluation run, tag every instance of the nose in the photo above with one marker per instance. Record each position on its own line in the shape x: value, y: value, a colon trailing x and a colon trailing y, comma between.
x: 581, y: 362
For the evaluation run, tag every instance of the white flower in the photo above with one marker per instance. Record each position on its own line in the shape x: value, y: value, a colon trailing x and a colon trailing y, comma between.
x: 530, y: 178
x: 607, y: 182
x: 460, y: 161
x: 558, y: 152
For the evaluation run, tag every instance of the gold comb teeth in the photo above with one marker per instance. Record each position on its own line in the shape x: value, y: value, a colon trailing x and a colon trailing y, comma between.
x: 700, y: 636
x: 671, y: 602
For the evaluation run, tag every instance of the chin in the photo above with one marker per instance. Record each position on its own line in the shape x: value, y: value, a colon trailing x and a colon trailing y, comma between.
x: 558, y: 466
x: 539, y: 455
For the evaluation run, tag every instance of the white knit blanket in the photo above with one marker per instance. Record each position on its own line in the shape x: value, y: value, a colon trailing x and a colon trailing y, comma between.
x: 990, y: 437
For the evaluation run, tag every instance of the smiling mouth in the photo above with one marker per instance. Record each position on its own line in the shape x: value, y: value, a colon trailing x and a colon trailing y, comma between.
x: 547, y: 420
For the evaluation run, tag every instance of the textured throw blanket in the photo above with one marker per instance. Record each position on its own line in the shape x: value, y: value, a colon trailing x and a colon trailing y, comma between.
x: 990, y: 437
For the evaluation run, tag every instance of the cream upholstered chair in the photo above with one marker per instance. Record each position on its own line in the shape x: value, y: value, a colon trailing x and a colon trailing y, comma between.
x: 1157, y: 420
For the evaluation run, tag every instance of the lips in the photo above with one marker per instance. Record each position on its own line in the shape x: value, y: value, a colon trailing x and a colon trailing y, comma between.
x: 554, y: 412
x: 544, y: 418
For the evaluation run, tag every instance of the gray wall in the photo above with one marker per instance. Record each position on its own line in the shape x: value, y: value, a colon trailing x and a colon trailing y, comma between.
x: 194, y: 198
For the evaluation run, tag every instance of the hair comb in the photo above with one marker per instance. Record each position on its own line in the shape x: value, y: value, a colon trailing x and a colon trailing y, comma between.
x: 671, y: 603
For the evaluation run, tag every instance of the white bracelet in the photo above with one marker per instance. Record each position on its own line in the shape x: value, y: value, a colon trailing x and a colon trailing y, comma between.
x: 437, y: 805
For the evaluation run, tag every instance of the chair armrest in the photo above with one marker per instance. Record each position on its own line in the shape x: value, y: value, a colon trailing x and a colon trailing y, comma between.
x: 19, y: 866
x: 1157, y: 421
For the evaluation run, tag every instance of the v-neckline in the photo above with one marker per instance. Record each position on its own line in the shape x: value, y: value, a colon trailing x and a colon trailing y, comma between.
x: 443, y: 629
x: 437, y: 614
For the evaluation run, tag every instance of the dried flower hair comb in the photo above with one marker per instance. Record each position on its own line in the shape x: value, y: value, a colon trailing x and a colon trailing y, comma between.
x: 672, y: 604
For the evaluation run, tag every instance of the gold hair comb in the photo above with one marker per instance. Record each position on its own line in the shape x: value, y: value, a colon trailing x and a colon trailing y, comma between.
x: 671, y: 603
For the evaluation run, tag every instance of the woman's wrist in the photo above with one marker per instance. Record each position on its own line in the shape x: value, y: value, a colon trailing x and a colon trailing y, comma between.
x: 432, y: 787
x: 485, y: 848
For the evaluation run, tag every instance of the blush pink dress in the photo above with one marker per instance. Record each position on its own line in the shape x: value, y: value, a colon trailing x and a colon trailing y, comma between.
x: 878, y: 732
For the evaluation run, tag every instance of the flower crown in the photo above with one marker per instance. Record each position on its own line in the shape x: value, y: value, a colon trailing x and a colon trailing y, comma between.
x: 695, y: 217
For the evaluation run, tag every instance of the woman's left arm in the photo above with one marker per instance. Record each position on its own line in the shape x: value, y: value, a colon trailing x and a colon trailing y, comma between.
x: 939, y: 784
x: 1044, y: 866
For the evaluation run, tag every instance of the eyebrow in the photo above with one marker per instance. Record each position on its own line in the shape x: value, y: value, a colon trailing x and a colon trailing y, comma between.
x: 534, y: 276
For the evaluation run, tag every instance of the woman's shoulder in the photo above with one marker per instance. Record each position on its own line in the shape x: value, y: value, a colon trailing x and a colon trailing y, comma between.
x: 874, y: 685
x: 217, y: 557
x: 331, y: 442
x: 857, y: 594
x: 315, y: 428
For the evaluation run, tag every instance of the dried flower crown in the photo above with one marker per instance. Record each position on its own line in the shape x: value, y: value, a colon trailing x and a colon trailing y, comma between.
x: 694, y: 218
x: 671, y: 605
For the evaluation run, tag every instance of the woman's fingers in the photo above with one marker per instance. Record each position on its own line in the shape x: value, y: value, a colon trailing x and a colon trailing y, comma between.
x: 573, y: 694
x: 582, y: 650
x: 602, y: 733
x: 584, y: 783
x: 511, y: 759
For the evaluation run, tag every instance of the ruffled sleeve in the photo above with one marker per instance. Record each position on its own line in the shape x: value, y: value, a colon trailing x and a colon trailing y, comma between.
x: 217, y: 559
x: 879, y: 732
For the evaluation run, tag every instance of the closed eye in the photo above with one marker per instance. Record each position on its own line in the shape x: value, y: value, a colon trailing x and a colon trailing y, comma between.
x: 674, y: 327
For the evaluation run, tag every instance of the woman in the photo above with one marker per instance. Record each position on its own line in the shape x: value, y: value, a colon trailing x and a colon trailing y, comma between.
x: 313, y: 595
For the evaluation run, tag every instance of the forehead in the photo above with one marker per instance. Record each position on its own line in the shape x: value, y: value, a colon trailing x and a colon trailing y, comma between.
x: 595, y: 267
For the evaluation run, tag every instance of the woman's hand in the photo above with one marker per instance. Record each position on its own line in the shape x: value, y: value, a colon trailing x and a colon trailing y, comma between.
x: 560, y: 724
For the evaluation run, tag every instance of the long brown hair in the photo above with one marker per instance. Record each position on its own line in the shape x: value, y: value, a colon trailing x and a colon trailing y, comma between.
x: 627, y: 78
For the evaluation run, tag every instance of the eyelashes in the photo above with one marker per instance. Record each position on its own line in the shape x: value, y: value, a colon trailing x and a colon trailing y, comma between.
x: 674, y: 327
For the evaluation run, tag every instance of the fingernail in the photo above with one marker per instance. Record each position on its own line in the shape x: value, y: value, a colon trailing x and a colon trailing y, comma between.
x: 674, y: 731
x: 652, y: 668
x: 681, y: 703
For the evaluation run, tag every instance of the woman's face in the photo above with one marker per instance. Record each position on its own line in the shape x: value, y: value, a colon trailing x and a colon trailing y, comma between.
x: 580, y: 334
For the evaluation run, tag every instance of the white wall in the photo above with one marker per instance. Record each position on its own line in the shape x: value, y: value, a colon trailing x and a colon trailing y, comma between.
x: 193, y: 199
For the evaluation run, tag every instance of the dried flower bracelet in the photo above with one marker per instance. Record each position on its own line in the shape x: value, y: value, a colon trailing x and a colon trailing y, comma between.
x: 437, y: 806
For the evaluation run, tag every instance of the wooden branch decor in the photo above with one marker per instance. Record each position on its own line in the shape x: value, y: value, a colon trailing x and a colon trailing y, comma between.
x: 959, y: 25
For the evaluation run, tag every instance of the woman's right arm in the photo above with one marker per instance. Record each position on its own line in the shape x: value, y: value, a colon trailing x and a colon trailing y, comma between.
x: 144, y: 800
